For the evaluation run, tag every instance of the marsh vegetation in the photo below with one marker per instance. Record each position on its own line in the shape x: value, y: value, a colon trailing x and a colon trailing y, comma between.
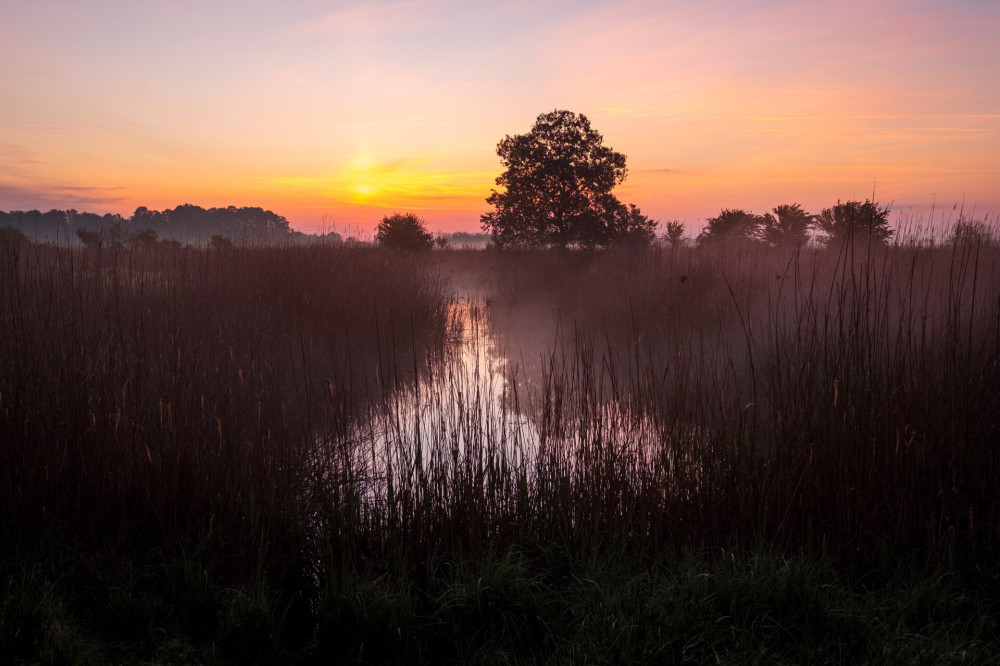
x: 727, y: 452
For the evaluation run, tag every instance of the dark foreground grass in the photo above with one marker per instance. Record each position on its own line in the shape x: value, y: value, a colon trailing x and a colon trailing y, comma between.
x: 723, y: 455
x: 546, y: 606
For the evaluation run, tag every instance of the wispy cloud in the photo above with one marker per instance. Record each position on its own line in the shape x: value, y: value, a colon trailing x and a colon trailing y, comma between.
x: 15, y: 154
x: 372, y: 17
x: 14, y: 196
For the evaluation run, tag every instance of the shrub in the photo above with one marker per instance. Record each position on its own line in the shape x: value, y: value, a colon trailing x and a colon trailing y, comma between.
x: 732, y: 224
x: 789, y: 225
x: 673, y: 233
x: 973, y: 231
x: 856, y: 221
x: 404, y: 231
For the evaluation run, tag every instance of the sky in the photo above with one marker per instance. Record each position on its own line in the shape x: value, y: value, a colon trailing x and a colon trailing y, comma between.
x: 335, y: 114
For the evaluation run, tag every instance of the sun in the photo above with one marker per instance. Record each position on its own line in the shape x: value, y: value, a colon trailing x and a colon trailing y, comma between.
x: 362, y: 174
x: 363, y: 191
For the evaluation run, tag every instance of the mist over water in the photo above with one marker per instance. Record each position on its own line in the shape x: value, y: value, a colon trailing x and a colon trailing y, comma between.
x: 466, y: 402
x: 504, y: 405
x: 462, y: 406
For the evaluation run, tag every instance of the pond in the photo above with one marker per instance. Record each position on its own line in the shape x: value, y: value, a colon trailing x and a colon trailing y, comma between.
x: 478, y: 412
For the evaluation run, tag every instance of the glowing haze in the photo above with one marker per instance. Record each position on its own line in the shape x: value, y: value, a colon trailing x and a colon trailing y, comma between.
x: 336, y: 113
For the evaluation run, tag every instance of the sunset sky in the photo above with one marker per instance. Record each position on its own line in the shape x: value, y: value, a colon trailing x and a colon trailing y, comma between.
x: 337, y: 113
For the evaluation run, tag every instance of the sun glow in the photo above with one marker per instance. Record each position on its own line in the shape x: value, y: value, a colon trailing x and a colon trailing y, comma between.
x: 418, y: 182
x: 389, y: 112
x: 364, y: 191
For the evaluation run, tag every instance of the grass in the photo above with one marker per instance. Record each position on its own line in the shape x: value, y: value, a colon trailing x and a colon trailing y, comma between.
x: 808, y: 399
x: 734, y: 454
x: 546, y: 606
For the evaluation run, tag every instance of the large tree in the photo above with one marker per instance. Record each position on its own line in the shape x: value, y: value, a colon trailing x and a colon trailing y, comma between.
x: 557, y: 189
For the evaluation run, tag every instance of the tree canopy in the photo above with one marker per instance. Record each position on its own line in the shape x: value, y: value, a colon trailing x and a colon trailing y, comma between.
x: 187, y: 223
x: 673, y: 233
x: 557, y: 189
x: 857, y: 221
x: 787, y: 225
x: 404, y: 231
x: 732, y: 224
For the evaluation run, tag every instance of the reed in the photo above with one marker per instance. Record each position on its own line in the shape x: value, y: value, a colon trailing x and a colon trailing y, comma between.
x: 155, y: 398
x: 840, y: 398
x: 362, y: 454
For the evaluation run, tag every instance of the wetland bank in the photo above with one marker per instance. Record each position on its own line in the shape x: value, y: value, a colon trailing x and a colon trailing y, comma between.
x: 302, y: 454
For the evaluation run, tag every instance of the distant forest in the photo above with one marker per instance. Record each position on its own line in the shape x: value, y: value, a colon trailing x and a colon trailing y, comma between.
x: 186, y: 223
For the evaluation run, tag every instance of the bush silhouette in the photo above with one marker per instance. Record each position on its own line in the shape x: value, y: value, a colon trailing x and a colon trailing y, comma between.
x: 673, y: 233
x: 856, y: 221
x: 732, y: 224
x: 788, y: 225
x: 404, y: 231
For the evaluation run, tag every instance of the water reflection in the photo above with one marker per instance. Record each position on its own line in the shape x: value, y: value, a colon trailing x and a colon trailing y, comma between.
x: 459, y: 415
x: 473, y: 415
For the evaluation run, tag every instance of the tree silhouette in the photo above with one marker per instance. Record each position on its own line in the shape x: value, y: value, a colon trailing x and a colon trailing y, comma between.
x: 148, y: 219
x: 974, y: 232
x: 405, y: 232
x: 116, y: 236
x: 788, y: 226
x: 145, y: 237
x: 12, y: 236
x: 11, y: 242
x: 855, y: 221
x: 673, y: 233
x: 557, y: 189
x: 732, y: 224
x: 90, y: 238
x: 220, y: 242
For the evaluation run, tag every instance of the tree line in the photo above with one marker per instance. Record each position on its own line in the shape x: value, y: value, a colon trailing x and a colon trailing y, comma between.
x: 557, y: 191
x: 186, y: 223
x: 790, y: 225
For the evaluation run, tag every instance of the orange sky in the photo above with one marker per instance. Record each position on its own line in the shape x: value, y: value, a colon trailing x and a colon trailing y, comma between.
x: 336, y: 113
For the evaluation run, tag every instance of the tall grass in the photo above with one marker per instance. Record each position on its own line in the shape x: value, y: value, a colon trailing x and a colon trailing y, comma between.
x: 154, y: 398
x: 323, y: 446
x: 841, y: 398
